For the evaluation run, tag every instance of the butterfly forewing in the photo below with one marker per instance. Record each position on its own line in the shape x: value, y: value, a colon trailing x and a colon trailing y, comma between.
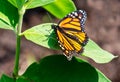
x: 68, y: 23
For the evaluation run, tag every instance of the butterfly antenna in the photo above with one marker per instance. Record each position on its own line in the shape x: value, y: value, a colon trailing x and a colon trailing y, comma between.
x: 49, y: 17
x: 51, y: 20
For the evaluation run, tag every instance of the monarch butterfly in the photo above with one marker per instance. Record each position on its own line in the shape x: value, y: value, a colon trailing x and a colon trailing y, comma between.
x: 71, y: 34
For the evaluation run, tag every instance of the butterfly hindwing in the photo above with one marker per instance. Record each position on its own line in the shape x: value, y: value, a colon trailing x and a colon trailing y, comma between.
x: 69, y: 45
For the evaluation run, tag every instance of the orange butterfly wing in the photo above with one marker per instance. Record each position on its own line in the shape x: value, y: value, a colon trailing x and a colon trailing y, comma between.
x: 71, y: 34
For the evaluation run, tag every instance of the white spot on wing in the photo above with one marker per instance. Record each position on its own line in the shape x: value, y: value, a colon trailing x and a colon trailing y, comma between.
x: 76, y: 14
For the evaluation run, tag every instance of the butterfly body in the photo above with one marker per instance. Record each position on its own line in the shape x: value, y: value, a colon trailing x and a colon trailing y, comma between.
x: 71, y: 34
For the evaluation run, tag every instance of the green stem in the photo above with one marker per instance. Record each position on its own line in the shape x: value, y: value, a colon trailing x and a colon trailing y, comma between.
x: 17, y: 55
x: 18, y: 42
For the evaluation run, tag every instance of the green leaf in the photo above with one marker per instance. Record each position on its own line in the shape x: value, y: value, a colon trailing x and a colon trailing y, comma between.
x: 93, y: 51
x: 13, y: 2
x: 4, y: 25
x: 60, y: 8
x: 23, y: 80
x: 5, y: 78
x: 8, y: 15
x: 37, y: 3
x: 57, y: 68
x: 42, y: 35
x: 45, y: 36
x: 102, y: 76
x: 17, y: 3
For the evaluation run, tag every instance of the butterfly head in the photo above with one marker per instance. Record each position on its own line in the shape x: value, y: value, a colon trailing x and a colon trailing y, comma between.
x: 53, y: 26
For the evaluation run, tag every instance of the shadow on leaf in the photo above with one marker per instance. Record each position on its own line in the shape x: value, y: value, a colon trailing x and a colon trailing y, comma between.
x: 53, y: 42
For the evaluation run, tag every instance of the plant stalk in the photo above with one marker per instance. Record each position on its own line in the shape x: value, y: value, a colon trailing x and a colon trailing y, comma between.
x: 18, y: 44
